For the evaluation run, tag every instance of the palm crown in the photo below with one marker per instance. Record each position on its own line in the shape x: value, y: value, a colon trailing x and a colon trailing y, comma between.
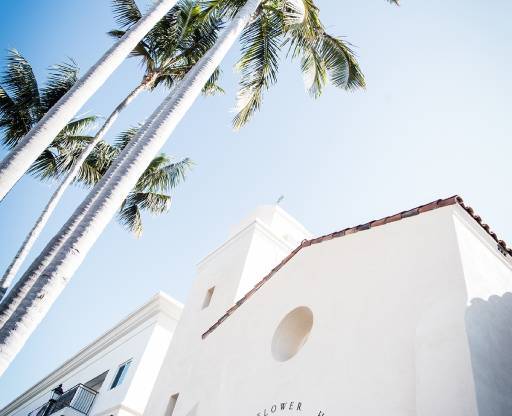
x: 23, y: 103
x: 174, y: 44
x: 152, y: 190
x: 296, y: 26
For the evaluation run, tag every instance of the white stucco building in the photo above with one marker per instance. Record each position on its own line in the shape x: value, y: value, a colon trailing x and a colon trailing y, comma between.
x: 407, y: 315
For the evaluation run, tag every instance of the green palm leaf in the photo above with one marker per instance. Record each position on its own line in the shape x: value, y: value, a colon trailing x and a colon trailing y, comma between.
x: 261, y: 41
x: 212, y: 87
x: 175, y: 43
x: 340, y: 63
x: 130, y: 216
x: 20, y: 82
x: 60, y: 80
x: 314, y: 70
x: 151, y: 193
x: 140, y: 51
x: 126, y: 12
x: 162, y: 174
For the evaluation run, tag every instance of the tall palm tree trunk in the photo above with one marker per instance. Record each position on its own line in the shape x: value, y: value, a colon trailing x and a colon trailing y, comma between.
x: 25, y: 283
x: 19, y: 160
x: 55, y: 276
x: 14, y: 267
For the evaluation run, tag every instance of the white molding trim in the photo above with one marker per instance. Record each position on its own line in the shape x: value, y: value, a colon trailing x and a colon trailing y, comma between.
x: 462, y: 215
x: 260, y: 225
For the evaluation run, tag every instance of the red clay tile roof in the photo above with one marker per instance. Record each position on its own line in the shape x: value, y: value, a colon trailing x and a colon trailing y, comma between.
x: 352, y: 230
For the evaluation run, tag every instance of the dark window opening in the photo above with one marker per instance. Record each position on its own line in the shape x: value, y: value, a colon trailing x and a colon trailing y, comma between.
x: 172, y: 404
x: 208, y: 297
x: 121, y: 374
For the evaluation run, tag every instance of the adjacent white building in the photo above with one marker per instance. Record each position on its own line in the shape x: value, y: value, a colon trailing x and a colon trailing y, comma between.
x: 407, y: 315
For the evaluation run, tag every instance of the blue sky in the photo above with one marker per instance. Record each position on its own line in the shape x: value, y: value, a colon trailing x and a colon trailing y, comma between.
x: 434, y: 121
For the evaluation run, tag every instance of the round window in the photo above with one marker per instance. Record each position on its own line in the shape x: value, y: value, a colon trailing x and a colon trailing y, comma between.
x: 292, y: 333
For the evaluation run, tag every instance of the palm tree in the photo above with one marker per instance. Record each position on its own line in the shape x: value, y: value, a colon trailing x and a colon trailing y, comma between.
x: 19, y: 160
x: 150, y: 194
x: 23, y: 102
x: 167, y: 52
x: 102, y: 202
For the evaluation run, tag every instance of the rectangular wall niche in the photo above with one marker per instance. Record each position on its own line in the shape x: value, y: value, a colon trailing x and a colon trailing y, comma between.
x: 208, y: 297
x: 172, y: 404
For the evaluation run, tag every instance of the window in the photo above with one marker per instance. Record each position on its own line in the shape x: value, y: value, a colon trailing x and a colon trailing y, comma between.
x: 172, y: 404
x: 208, y: 297
x: 121, y: 374
x: 292, y: 333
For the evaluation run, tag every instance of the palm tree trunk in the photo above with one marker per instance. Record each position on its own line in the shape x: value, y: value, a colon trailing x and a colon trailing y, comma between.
x: 19, y: 160
x: 25, y: 283
x: 54, y: 278
x: 12, y: 270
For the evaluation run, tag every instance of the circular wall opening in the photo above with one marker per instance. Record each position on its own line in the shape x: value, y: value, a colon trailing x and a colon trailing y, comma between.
x: 292, y: 333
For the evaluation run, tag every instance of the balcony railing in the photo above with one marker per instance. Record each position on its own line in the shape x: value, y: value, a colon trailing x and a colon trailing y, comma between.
x: 79, y: 398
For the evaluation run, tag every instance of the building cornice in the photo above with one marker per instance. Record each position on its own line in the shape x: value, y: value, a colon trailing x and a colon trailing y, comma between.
x: 159, y: 304
x: 404, y: 215
x: 482, y: 235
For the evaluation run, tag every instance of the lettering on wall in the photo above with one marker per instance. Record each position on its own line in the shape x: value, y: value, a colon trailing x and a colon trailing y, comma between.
x: 287, y: 408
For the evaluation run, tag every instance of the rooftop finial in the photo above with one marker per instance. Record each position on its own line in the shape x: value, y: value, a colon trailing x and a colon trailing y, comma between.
x: 280, y: 199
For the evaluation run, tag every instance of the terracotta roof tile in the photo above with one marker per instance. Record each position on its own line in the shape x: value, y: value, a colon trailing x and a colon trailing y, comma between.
x: 352, y: 230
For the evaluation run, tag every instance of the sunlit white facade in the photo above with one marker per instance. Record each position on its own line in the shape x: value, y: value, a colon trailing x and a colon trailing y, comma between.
x: 408, y: 315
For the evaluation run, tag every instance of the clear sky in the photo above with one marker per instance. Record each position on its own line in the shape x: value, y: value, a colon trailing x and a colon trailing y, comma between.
x: 434, y: 121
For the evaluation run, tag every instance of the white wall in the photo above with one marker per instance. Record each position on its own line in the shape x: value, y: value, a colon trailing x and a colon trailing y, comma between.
x: 255, y: 246
x: 409, y: 318
x: 388, y: 337
x: 488, y: 317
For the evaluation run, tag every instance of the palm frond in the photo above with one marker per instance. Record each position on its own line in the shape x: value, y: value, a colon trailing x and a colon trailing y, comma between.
x: 226, y: 8
x: 78, y: 126
x: 7, y: 107
x: 60, y: 80
x: 19, y: 99
x: 294, y: 12
x: 96, y: 164
x: 212, y: 87
x: 197, y: 34
x: 140, y: 51
x: 162, y: 174
x: 340, y: 62
x: 20, y: 82
x: 163, y: 38
x: 151, y: 192
x: 126, y: 12
x: 261, y: 41
x: 323, y: 57
x: 314, y: 71
x: 129, y: 215
x: 154, y: 203
x: 124, y: 137
x: 46, y: 165
x: 15, y: 122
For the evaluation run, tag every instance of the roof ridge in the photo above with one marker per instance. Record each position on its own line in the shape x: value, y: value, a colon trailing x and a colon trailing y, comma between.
x: 440, y: 203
